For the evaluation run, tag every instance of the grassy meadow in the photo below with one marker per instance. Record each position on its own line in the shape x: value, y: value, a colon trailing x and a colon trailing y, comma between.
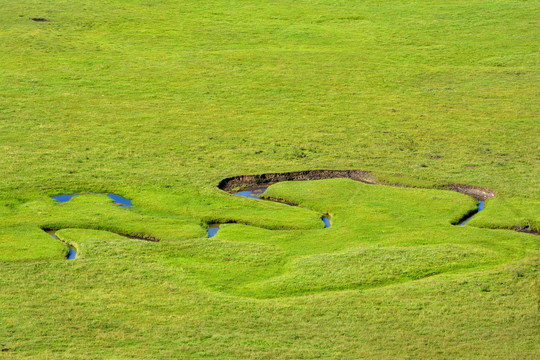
x: 158, y: 101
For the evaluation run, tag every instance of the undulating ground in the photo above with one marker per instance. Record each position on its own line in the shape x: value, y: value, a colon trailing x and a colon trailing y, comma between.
x: 158, y: 101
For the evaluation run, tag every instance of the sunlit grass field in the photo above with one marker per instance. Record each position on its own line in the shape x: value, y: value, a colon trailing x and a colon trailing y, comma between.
x: 158, y: 101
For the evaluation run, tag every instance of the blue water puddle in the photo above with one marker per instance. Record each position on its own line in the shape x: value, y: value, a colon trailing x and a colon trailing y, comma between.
x: 481, y: 205
x: 212, y: 230
x: 120, y: 200
x: 72, y: 253
x: 63, y: 198
x: 326, y: 221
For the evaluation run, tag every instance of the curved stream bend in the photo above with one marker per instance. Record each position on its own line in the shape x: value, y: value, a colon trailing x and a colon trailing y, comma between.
x: 119, y: 200
x: 254, y: 193
x: 468, y: 217
x: 253, y: 186
x: 72, y: 251
x: 253, y: 181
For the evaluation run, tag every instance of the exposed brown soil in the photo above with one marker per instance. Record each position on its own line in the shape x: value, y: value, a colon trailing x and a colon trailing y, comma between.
x: 145, y: 238
x: 244, y: 181
x: 527, y: 230
x: 247, y: 181
x: 476, y: 192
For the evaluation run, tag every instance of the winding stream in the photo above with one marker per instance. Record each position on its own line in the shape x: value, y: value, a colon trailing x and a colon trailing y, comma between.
x: 119, y: 200
x: 254, y: 193
x: 72, y: 252
x: 481, y: 205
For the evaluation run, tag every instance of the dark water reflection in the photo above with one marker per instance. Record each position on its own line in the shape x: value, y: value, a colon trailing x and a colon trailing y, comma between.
x: 253, y: 193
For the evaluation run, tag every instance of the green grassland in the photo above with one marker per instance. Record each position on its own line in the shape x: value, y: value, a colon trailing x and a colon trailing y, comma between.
x: 160, y: 100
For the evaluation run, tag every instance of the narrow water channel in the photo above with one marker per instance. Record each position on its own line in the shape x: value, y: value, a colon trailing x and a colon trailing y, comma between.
x: 481, y: 205
x: 72, y: 252
x: 256, y: 192
x: 253, y: 193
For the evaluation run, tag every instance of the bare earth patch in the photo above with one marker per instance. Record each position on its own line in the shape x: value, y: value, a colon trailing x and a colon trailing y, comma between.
x: 246, y: 181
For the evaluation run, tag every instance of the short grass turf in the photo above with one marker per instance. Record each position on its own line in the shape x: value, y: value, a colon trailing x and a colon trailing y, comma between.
x: 160, y: 100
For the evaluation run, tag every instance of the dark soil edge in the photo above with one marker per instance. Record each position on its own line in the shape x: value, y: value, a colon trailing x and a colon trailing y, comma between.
x: 527, y: 230
x: 245, y: 181
x: 281, y: 201
x: 466, y: 217
x: 479, y: 193
x: 132, y: 237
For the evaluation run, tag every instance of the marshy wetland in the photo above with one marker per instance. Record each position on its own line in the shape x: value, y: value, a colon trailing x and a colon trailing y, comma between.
x: 264, y: 181
x: 376, y: 129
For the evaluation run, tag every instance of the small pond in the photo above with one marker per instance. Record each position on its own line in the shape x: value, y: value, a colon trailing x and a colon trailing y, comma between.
x: 120, y: 200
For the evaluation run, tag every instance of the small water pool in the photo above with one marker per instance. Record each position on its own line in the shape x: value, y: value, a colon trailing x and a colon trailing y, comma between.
x: 212, y: 230
x: 120, y: 200
x: 326, y: 221
x: 72, y: 252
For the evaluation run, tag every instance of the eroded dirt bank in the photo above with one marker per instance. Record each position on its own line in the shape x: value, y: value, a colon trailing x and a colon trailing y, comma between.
x: 242, y: 181
x: 476, y: 192
x: 245, y: 181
